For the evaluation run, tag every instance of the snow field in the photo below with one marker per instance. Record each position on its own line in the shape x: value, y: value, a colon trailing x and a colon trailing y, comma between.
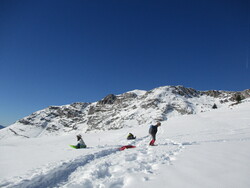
x: 204, y: 150
x: 102, y: 167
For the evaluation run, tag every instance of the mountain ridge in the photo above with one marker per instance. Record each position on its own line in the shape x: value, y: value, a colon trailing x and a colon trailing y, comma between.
x: 133, y: 108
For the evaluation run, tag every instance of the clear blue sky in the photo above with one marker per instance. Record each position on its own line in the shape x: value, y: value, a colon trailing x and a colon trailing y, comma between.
x: 56, y: 52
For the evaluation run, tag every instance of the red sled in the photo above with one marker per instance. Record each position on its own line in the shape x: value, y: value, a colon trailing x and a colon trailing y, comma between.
x: 126, y: 147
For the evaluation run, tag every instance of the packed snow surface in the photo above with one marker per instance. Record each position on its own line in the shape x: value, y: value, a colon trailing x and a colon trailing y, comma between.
x: 210, y: 149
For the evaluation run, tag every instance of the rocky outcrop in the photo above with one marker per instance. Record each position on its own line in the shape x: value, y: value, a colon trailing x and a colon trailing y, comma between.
x: 110, y: 99
x: 243, y: 95
x: 187, y: 92
x: 55, y: 117
x: 228, y: 95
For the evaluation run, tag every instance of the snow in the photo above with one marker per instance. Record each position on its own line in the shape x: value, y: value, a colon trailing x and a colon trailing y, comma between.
x: 210, y: 149
x: 138, y: 92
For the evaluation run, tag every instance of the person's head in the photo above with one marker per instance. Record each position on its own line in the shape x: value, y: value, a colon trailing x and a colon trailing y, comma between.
x: 158, y: 123
x: 78, y: 136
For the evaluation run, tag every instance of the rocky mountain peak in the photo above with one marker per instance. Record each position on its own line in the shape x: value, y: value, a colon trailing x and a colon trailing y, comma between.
x: 132, y: 108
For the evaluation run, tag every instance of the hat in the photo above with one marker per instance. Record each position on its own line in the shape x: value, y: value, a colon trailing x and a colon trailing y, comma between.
x: 158, y: 123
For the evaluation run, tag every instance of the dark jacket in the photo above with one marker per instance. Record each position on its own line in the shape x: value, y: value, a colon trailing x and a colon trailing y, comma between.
x: 153, y: 129
x: 130, y: 136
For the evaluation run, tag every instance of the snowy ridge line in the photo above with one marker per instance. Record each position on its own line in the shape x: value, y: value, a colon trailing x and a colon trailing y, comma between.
x: 60, y: 174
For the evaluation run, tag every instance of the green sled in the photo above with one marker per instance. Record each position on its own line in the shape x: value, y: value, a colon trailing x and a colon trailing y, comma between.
x: 73, y: 146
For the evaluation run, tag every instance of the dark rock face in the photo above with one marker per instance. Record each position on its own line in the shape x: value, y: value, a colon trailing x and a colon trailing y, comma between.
x: 232, y: 95
x: 104, y: 113
x: 110, y: 99
x: 187, y: 92
x: 25, y: 122
x: 153, y: 103
x: 243, y: 95
x: 212, y: 93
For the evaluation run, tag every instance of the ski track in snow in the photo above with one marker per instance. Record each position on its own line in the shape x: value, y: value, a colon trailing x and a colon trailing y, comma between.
x: 112, y: 173
x: 60, y: 173
x: 107, y: 168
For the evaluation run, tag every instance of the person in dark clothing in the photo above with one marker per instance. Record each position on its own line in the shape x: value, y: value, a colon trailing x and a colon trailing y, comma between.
x: 80, y: 142
x: 131, y: 136
x: 152, y: 131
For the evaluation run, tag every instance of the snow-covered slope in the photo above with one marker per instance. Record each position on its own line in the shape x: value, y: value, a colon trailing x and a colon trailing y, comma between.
x: 210, y: 149
x: 134, y: 108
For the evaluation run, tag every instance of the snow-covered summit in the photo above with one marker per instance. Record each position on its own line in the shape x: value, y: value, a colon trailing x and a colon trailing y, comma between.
x: 138, y: 92
x: 133, y: 108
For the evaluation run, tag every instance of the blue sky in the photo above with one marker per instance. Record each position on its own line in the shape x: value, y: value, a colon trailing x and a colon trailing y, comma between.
x: 56, y: 52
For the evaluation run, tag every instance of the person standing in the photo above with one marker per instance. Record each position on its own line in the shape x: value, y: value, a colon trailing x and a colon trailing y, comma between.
x: 152, y: 131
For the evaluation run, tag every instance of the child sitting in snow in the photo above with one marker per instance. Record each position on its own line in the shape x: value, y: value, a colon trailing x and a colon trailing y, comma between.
x: 80, y: 142
x: 131, y: 136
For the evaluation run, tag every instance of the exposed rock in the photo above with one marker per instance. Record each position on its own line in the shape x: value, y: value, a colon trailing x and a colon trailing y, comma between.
x: 152, y: 103
x: 187, y: 92
x: 25, y: 122
x: 213, y: 93
x: 109, y: 99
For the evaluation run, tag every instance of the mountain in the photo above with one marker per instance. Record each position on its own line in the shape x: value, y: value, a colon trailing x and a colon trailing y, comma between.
x: 133, y: 108
x: 1, y: 127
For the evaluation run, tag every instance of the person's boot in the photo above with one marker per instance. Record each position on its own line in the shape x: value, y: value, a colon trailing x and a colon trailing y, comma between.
x: 152, y: 142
